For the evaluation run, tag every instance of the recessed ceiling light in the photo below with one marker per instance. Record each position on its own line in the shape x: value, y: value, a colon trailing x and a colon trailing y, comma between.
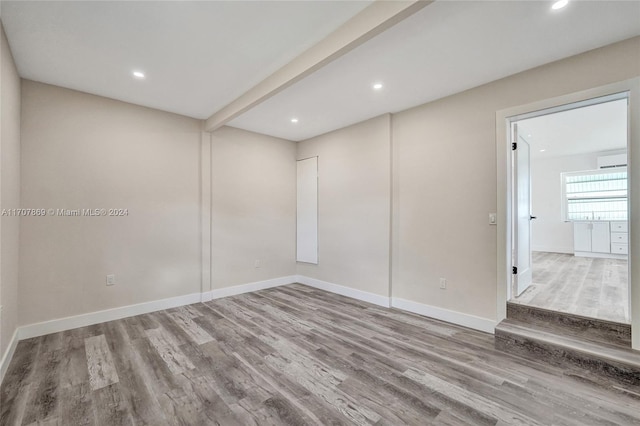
x: 377, y: 86
x: 294, y: 120
x: 138, y: 74
x: 559, y: 4
x: 529, y: 135
x: 542, y: 150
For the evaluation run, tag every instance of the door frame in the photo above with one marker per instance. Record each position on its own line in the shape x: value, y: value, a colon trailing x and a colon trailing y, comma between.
x: 505, y: 189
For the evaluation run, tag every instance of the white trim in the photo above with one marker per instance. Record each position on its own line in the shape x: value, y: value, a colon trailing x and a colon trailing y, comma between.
x: 600, y: 255
x: 553, y: 249
x: 219, y: 293
x: 8, y: 354
x: 68, y: 323
x: 454, y: 317
x: 206, y: 296
x: 365, y: 296
x: 83, y: 320
x: 503, y: 185
x: 564, y: 105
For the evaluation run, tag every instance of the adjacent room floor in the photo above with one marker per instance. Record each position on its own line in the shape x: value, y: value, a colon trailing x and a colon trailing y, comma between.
x: 587, y: 286
x: 294, y: 355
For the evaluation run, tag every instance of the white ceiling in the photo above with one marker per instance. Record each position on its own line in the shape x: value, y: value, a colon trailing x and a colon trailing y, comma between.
x: 197, y: 55
x: 596, y: 128
x: 445, y: 48
x: 201, y: 55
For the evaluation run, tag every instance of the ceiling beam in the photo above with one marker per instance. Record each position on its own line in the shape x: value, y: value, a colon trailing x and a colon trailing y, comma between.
x: 375, y: 19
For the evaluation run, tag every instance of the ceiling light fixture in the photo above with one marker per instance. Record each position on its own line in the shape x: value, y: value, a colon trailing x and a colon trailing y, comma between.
x: 559, y: 4
x: 377, y: 86
x: 138, y: 74
x: 294, y: 120
x: 542, y: 150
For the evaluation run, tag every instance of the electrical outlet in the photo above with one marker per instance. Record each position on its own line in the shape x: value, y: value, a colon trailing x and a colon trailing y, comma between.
x: 256, y: 264
x: 443, y: 283
x: 111, y: 279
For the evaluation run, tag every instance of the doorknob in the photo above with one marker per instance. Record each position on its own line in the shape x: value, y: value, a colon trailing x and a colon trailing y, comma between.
x: 532, y: 217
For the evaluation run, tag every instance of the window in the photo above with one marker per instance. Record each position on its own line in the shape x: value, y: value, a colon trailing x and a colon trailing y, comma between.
x: 595, y: 195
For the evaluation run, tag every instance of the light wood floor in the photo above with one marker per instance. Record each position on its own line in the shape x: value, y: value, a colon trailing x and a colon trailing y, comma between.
x: 587, y: 286
x: 294, y: 355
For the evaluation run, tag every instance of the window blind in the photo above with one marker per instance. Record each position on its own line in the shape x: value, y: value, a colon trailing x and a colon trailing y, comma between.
x: 596, y: 195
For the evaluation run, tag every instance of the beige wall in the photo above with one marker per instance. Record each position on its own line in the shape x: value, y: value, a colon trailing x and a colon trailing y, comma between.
x: 9, y: 192
x: 354, y: 193
x: 83, y: 151
x: 445, y: 178
x: 254, y: 205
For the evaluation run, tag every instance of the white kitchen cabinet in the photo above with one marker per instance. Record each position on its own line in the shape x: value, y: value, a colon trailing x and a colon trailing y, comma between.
x: 582, y: 236
x: 618, y: 248
x: 600, y: 239
x: 620, y: 238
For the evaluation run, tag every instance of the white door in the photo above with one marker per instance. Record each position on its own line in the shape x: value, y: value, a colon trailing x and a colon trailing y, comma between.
x: 522, y: 212
x: 307, y: 211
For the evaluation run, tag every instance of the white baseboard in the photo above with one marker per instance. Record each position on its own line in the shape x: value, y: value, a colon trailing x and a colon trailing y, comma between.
x: 553, y: 249
x: 365, y: 296
x: 68, y: 323
x: 8, y: 354
x: 458, y: 318
x: 247, y: 288
x: 83, y: 320
x: 600, y: 255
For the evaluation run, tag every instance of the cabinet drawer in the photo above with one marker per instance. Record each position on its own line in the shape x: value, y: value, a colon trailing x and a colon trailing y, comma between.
x: 620, y: 226
x: 618, y: 248
x: 619, y: 237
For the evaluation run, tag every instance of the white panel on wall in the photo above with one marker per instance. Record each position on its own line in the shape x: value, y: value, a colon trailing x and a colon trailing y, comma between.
x: 307, y: 211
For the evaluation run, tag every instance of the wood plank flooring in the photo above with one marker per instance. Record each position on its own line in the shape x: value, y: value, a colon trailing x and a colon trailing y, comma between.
x: 587, y: 286
x: 294, y: 355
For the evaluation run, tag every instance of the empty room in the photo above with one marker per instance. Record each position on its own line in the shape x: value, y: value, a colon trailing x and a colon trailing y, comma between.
x: 320, y: 212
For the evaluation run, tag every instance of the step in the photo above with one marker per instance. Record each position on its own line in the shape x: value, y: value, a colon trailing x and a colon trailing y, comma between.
x: 585, y: 328
x: 613, y: 361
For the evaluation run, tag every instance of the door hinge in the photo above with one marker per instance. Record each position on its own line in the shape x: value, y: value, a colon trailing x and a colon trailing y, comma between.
x: 515, y: 270
x: 514, y: 146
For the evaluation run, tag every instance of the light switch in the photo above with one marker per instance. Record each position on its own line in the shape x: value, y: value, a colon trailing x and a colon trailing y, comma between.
x: 493, y: 218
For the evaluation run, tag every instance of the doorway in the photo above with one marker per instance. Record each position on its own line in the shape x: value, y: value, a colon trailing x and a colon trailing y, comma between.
x: 504, y: 184
x: 570, y: 209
